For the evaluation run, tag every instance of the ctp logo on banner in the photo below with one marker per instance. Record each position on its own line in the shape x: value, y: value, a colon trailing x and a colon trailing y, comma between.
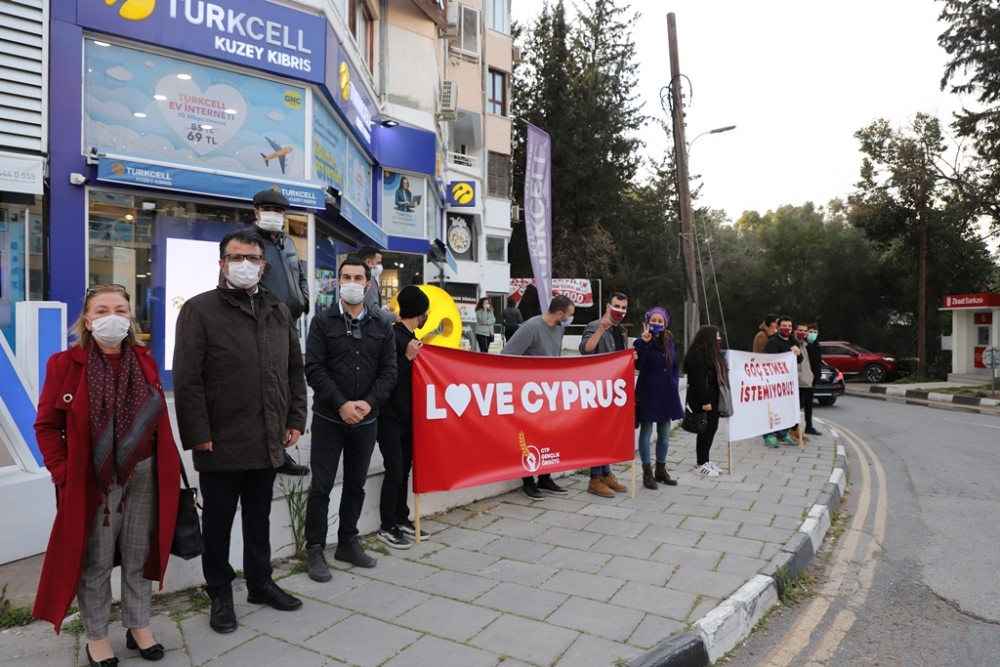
x: 482, y: 418
x: 765, y: 390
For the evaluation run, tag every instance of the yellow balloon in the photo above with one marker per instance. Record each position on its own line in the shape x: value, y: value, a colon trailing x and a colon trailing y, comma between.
x: 444, y: 322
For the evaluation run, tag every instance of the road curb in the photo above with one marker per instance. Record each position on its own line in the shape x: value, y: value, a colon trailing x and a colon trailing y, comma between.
x: 723, y: 628
x: 900, y: 392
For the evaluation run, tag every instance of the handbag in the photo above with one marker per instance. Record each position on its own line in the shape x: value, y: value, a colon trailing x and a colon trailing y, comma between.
x: 187, y: 542
x: 725, y: 401
x: 694, y: 422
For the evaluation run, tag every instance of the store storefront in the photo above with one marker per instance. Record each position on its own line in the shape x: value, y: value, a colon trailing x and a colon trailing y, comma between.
x: 975, y: 327
x: 21, y: 240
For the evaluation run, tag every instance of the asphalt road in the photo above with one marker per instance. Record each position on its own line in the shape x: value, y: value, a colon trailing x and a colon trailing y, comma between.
x: 913, y: 578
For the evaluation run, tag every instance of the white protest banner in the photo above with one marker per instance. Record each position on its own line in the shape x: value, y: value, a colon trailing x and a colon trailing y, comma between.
x: 765, y: 390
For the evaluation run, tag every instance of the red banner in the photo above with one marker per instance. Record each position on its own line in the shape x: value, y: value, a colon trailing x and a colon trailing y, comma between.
x: 482, y: 418
x: 577, y: 289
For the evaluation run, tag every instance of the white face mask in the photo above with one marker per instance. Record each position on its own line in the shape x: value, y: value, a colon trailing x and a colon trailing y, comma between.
x: 243, y: 275
x: 376, y: 272
x: 271, y: 221
x: 352, y: 293
x: 110, y: 330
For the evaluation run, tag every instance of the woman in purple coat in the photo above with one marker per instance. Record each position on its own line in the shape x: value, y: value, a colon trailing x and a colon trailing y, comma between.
x: 659, y: 401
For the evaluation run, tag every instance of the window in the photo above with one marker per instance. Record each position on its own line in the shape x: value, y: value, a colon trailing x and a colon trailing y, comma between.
x: 496, y: 249
x: 498, y: 176
x: 497, y: 19
x: 468, y: 26
x: 497, y: 102
x: 362, y: 28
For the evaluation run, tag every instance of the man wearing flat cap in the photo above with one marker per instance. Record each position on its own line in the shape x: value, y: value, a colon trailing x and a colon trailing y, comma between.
x: 284, y: 276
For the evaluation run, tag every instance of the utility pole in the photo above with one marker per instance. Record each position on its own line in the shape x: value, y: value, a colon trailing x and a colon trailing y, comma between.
x: 691, y: 316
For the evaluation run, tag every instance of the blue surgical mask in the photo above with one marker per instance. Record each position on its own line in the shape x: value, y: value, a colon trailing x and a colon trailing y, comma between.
x: 811, y: 337
x: 567, y: 322
x: 656, y: 329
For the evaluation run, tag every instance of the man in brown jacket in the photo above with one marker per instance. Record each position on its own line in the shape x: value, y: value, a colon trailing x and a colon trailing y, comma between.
x: 767, y: 329
x: 240, y: 394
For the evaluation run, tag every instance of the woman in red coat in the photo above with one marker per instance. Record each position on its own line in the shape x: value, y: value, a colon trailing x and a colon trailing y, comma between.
x: 105, y: 435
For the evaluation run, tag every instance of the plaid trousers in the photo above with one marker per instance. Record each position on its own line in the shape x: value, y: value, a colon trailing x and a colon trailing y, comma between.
x: 130, y: 532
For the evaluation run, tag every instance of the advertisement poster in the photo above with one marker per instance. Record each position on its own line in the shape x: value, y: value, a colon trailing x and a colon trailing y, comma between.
x: 765, y: 390
x: 403, y: 206
x: 329, y: 148
x: 192, y: 268
x: 577, y: 289
x: 358, y: 189
x: 152, y: 107
x: 482, y: 418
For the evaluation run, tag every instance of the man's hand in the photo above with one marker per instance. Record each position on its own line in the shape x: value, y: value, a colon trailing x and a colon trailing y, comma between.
x: 291, y: 437
x: 707, y: 407
x: 796, y: 351
x: 646, y: 336
x: 413, y: 348
x: 605, y: 324
x: 204, y: 447
x: 348, y: 412
x: 362, y: 408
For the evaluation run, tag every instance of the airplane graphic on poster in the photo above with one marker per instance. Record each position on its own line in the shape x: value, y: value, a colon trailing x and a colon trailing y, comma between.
x: 279, y: 154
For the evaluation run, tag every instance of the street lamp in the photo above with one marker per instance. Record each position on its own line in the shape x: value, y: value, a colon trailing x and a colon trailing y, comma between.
x: 718, y: 130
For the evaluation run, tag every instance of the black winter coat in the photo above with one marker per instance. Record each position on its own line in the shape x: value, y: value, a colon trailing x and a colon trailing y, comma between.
x: 341, y: 367
x: 703, y: 385
x: 400, y: 404
x: 238, y: 379
x: 283, y: 276
x: 778, y: 345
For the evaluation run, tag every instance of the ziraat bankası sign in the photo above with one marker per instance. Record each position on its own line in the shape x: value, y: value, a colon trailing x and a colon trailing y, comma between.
x: 252, y: 33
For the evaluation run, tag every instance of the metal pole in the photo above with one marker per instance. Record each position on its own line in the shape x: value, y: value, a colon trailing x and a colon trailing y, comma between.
x: 691, y: 316
x: 600, y: 296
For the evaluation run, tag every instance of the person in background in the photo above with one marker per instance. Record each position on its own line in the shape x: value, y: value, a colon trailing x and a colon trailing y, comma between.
x: 767, y: 329
x: 542, y: 336
x: 373, y: 260
x: 104, y: 434
x: 395, y: 423
x: 511, y: 319
x: 240, y: 394
x: 284, y: 275
x: 806, y: 335
x: 782, y: 341
x: 657, y: 394
x: 706, y: 371
x: 485, y: 319
x: 600, y: 337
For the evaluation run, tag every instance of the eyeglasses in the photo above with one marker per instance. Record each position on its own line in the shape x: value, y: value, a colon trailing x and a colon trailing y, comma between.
x: 236, y: 259
x: 93, y: 289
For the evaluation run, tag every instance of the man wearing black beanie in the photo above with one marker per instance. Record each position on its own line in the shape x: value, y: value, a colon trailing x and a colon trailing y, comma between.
x: 395, y: 424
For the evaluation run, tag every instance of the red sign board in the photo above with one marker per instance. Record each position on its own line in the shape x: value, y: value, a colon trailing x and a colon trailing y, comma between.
x: 482, y: 418
x: 971, y: 301
x: 979, y: 356
x: 983, y: 318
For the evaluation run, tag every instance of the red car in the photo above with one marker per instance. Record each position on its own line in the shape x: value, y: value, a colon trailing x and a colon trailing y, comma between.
x: 855, y: 361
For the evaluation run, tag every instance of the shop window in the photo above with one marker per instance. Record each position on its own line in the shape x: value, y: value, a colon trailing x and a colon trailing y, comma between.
x: 497, y: 102
x: 20, y: 238
x: 496, y: 249
x: 498, y: 175
x: 468, y: 30
x: 362, y: 28
x: 498, y: 13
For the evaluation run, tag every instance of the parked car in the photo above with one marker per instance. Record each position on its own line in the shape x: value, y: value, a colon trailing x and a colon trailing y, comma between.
x: 829, y: 386
x: 855, y: 361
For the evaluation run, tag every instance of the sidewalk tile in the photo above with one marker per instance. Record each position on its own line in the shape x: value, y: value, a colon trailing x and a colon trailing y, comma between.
x: 269, y: 651
x: 522, y: 600
x: 596, y: 618
x: 596, y: 652
x: 633, y: 569
x: 768, y: 495
x: 679, y: 536
x: 295, y: 626
x: 704, y: 582
x: 172, y: 658
x: 624, y: 546
x: 702, y: 511
x: 37, y: 644
x: 655, y: 600
x: 745, y: 517
x: 342, y: 582
x: 515, y: 528
x: 361, y: 641
x: 395, y: 569
x: 448, y: 619
x: 569, y: 537
x: 741, y: 566
x: 593, y: 586
x: 518, y: 549
x: 381, y: 600
x: 764, y: 534
x: 455, y: 585
x: 512, y: 511
x: 165, y: 630
x: 560, y: 504
x: 564, y: 519
x: 460, y: 560
x: 728, y: 503
x: 791, y: 523
x: 706, y: 605
x: 433, y: 651
x: 204, y: 643
x: 657, y: 518
x: 712, y: 526
x: 789, y: 509
x: 575, y: 559
x: 534, y: 642
x: 478, y: 521
x: 607, y: 511
x: 653, y: 630
x: 454, y: 516
x: 462, y: 538
x: 732, y: 545
x: 617, y: 527
x: 675, y: 555
x: 522, y: 573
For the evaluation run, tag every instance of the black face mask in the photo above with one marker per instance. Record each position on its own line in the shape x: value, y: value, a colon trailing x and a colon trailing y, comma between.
x: 422, y: 321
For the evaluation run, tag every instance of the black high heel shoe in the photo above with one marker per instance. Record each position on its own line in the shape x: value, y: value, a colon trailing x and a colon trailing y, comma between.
x: 108, y: 662
x: 154, y: 652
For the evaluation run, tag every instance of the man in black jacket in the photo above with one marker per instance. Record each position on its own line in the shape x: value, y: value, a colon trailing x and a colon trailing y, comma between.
x: 395, y: 426
x: 780, y: 343
x: 241, y: 400
x: 351, y: 366
x: 283, y: 276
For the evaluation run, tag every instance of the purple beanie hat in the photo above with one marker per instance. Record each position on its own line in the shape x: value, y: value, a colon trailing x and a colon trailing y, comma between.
x: 657, y: 309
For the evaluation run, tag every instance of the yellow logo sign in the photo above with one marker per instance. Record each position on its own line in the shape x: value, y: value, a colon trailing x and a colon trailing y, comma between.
x: 134, y: 10
x: 293, y: 99
x: 462, y: 193
x: 117, y: 168
x: 345, y: 82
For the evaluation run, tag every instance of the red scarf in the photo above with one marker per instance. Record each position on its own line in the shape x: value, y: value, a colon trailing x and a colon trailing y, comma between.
x: 124, y: 413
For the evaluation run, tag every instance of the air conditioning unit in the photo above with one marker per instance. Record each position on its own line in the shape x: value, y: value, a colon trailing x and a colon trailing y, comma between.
x: 449, y: 101
x: 451, y: 19
x: 518, y: 54
x: 515, y: 213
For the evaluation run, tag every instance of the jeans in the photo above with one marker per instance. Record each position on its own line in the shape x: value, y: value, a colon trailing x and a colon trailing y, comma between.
x: 329, y: 440
x: 601, y: 470
x: 662, y: 441
x: 395, y: 441
x: 484, y: 342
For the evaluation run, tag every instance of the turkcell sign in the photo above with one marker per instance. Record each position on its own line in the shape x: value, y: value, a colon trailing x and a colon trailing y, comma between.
x: 252, y: 33
x: 350, y: 98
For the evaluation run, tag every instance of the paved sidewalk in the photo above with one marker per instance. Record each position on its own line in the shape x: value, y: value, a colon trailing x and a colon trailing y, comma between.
x: 571, y: 581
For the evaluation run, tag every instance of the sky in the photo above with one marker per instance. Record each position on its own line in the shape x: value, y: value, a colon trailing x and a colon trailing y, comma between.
x: 798, y: 79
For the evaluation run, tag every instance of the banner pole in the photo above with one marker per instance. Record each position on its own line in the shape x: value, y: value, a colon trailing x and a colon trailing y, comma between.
x: 633, y: 478
x: 416, y: 511
x: 729, y: 446
x: 802, y: 442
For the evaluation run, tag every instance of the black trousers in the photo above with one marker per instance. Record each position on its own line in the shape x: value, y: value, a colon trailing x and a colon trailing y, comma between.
x: 220, y: 493
x: 806, y: 403
x: 329, y: 441
x: 508, y: 332
x: 395, y: 440
x: 531, y: 480
x: 703, y: 442
x: 484, y: 342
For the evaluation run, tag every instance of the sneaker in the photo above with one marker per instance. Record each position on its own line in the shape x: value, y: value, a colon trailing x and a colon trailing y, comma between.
x: 713, y: 466
x: 706, y: 470
x: 352, y: 552
x: 410, y: 530
x: 394, y: 538
x: 789, y: 440
x: 770, y: 441
x: 548, y: 486
x: 316, y: 566
x: 529, y: 490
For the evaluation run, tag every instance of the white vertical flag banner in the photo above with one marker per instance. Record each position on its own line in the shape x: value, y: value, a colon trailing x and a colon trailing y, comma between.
x: 765, y: 390
x: 538, y: 210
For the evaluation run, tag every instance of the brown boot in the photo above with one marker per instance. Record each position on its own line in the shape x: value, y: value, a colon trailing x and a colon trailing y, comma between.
x: 647, y: 477
x: 663, y: 476
x: 598, y: 488
x: 612, y: 483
